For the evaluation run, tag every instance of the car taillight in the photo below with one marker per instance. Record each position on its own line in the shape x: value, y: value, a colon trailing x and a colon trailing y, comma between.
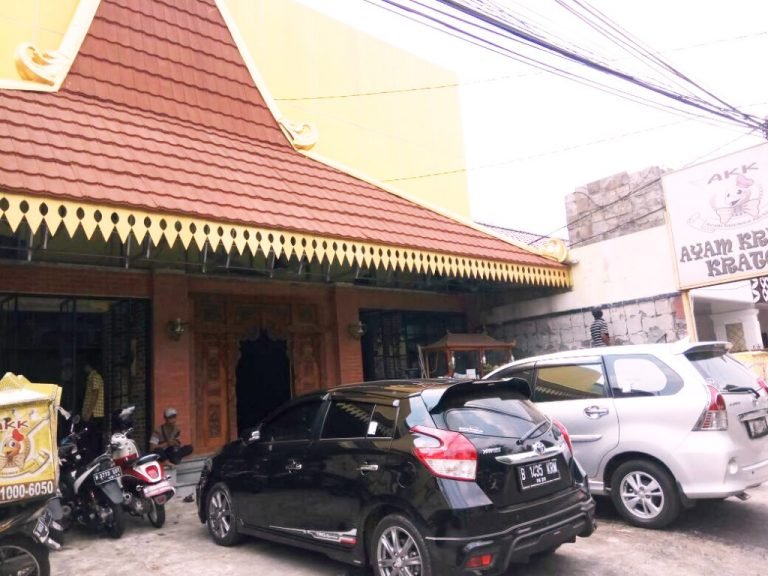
x: 480, y: 561
x: 762, y: 384
x: 564, y: 432
x: 445, y: 453
x: 714, y: 416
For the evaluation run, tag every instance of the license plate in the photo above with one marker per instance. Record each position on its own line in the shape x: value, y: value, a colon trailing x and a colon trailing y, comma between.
x: 104, y: 476
x: 159, y: 488
x: 42, y: 527
x: 538, y: 473
x: 757, y: 427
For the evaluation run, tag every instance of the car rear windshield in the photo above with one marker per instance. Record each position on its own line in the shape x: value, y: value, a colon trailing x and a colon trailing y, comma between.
x: 501, y: 413
x: 722, y: 370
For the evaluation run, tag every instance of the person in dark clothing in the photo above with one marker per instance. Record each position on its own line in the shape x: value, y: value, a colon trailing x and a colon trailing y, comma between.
x: 165, y: 440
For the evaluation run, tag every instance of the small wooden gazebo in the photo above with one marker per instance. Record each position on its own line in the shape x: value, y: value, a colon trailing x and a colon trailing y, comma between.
x: 470, y: 355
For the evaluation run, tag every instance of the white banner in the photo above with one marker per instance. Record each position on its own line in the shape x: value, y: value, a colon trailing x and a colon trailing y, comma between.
x: 718, y: 217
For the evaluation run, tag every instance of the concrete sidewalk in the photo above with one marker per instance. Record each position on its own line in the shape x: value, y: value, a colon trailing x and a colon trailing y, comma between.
x: 182, y: 546
x: 713, y: 539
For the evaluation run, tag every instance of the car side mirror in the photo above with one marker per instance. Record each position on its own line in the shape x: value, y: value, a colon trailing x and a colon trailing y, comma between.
x: 252, y: 435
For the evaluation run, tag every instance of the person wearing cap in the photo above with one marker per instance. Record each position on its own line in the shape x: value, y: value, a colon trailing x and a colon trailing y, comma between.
x: 165, y: 440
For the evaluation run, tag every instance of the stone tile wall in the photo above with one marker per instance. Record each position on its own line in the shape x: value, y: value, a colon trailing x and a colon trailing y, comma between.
x: 657, y: 319
x: 614, y: 206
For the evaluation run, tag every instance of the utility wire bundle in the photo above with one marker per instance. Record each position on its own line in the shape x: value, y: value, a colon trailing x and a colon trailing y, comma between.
x: 504, y: 30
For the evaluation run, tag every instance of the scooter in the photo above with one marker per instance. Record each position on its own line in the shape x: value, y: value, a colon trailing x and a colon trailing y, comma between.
x: 91, y: 491
x: 146, y: 488
x: 27, y: 532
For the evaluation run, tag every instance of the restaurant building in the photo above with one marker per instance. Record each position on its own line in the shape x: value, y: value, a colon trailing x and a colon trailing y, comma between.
x: 158, y: 221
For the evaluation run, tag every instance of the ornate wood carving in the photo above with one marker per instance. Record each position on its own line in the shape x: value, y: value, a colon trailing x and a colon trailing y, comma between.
x: 306, y: 362
x: 211, y: 392
x: 221, y: 323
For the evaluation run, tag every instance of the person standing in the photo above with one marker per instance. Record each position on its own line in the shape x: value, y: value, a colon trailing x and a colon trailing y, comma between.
x: 166, y: 440
x: 598, y: 330
x: 92, y: 413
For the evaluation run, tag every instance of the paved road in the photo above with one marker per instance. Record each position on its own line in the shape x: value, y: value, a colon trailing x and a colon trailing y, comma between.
x: 715, y: 539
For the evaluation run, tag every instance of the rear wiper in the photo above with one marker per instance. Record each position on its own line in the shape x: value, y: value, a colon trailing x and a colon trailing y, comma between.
x: 532, y: 431
x: 732, y: 388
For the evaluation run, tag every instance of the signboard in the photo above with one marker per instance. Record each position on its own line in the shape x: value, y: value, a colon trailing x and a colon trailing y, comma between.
x: 759, y: 287
x: 718, y: 217
x: 28, y: 454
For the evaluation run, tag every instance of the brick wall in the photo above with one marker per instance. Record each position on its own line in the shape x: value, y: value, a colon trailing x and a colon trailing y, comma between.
x: 35, y: 278
x: 172, y: 360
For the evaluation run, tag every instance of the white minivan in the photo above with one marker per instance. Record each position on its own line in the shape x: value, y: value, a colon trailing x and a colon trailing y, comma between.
x: 657, y: 426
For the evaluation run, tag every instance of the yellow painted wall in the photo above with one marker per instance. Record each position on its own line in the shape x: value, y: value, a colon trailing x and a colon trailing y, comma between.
x: 312, y: 64
x: 41, y: 22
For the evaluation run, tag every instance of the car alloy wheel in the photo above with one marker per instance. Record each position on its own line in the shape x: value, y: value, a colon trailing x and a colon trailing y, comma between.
x: 642, y: 495
x: 399, y: 549
x: 222, y: 517
x: 645, y: 494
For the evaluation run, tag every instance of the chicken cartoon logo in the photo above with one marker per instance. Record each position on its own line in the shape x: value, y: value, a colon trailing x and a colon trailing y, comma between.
x: 13, y: 450
x: 740, y: 202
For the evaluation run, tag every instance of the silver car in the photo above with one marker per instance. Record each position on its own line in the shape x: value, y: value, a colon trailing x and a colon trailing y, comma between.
x: 656, y: 427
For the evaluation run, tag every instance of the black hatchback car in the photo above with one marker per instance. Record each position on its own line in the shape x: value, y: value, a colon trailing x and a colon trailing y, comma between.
x: 417, y: 477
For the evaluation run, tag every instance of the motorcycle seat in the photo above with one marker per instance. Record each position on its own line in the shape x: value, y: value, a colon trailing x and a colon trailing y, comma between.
x: 147, y: 458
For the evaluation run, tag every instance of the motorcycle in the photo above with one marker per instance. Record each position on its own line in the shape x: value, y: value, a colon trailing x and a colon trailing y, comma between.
x: 91, y: 491
x: 146, y: 488
x: 27, y: 532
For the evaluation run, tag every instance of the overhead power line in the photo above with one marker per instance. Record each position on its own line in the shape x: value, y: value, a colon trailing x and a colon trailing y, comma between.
x: 493, y: 14
x: 459, y: 25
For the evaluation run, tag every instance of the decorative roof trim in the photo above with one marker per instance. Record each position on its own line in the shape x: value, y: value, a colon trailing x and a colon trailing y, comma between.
x: 44, y: 69
x: 253, y: 239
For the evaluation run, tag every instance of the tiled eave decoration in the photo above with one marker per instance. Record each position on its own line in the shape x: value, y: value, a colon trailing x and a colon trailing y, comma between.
x: 35, y: 211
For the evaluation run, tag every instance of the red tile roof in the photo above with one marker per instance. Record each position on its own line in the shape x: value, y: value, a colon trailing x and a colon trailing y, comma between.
x: 160, y: 112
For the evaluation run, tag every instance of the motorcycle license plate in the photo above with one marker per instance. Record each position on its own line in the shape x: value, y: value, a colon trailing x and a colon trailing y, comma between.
x: 42, y: 527
x: 104, y: 476
x: 538, y: 473
x: 155, y: 489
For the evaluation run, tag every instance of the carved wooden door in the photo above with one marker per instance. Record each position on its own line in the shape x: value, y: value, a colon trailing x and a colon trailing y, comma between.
x: 212, y: 392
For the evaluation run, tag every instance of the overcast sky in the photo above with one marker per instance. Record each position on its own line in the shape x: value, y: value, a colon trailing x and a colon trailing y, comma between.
x: 533, y: 137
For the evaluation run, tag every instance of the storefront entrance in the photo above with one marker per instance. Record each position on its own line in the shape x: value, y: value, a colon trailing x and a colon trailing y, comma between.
x: 263, y: 379
x: 251, y: 356
x: 49, y: 339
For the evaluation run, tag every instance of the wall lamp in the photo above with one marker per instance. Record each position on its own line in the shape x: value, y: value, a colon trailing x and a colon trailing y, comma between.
x: 357, y: 329
x: 176, y: 328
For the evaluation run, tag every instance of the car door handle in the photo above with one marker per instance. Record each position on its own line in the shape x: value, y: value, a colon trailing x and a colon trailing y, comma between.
x: 293, y: 466
x: 368, y: 467
x: 596, y: 412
